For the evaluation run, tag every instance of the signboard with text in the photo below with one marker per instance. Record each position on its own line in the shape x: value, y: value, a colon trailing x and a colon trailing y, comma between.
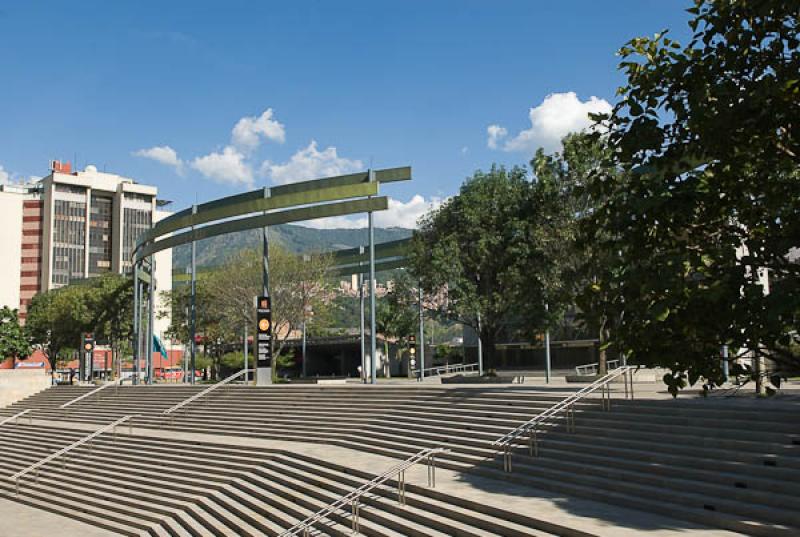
x: 263, y: 331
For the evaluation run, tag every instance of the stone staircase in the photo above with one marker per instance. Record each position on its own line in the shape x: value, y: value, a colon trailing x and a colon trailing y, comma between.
x: 727, y: 464
x: 166, y: 487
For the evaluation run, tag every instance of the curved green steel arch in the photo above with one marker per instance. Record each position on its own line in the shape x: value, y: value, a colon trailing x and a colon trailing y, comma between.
x: 313, y: 199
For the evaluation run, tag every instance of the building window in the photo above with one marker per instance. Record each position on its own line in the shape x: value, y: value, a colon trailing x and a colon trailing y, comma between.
x: 136, y: 222
x: 100, y: 224
x: 69, y: 239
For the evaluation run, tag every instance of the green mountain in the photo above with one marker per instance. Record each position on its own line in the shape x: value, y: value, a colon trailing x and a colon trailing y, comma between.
x: 216, y: 250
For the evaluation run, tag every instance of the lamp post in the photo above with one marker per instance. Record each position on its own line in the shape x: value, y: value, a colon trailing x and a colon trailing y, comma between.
x: 421, y: 338
x: 547, y: 364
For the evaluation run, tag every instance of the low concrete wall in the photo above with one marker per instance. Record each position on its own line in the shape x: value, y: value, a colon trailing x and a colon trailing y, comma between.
x: 16, y: 384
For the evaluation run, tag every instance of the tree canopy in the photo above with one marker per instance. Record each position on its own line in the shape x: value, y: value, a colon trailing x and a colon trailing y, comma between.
x: 14, y: 342
x: 709, y: 210
x: 225, y: 298
x: 102, y: 305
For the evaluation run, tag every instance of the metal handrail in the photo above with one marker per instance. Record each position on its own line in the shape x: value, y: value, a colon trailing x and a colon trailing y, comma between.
x: 447, y: 368
x: 352, y: 497
x: 16, y: 416
x: 591, y: 369
x: 87, y: 394
x: 206, y: 391
x: 63, y: 451
x: 566, y: 405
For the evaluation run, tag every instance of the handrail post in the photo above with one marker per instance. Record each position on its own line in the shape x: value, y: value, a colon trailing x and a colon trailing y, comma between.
x: 401, y: 487
x: 355, y: 516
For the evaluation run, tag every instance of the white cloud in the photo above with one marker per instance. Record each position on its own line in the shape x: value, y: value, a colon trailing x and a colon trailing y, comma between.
x: 336, y: 222
x: 163, y: 154
x: 495, y: 132
x: 4, y: 176
x: 557, y: 115
x: 401, y: 214
x: 247, y: 132
x: 310, y: 163
x: 398, y: 214
x: 229, y: 166
x: 464, y: 150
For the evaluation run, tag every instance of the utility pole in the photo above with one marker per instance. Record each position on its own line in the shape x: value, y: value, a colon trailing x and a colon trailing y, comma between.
x: 547, y: 371
x: 151, y: 321
x: 421, y: 338
x: 725, y: 364
x: 480, y: 348
x: 373, y: 334
x: 193, y: 306
x: 361, y: 325
x: 136, y: 323
x: 246, y: 368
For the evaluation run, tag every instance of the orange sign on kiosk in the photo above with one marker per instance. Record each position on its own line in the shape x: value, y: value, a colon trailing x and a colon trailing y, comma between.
x: 264, y: 331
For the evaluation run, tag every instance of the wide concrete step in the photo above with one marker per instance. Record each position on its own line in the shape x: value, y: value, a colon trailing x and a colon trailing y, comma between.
x: 730, y: 473
x: 212, y: 503
x: 450, y: 518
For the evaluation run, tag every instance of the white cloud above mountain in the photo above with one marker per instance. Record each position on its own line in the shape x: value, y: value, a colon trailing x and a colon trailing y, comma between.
x: 558, y: 115
x: 399, y: 214
x: 4, y: 176
x: 232, y: 164
x: 310, y: 163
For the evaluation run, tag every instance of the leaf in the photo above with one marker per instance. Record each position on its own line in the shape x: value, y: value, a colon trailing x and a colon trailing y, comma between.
x: 660, y: 311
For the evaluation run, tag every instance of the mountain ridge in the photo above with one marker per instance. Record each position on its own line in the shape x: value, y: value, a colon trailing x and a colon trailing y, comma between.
x: 299, y: 239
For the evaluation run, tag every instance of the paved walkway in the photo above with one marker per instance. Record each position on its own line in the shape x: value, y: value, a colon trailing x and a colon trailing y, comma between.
x: 18, y: 520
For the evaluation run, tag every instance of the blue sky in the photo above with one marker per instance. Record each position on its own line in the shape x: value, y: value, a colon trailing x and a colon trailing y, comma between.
x: 154, y: 90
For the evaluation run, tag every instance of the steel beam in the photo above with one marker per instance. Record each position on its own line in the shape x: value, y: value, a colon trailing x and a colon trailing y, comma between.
x: 269, y: 219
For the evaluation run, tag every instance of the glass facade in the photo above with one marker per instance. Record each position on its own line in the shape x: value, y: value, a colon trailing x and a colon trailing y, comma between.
x: 69, y: 240
x: 137, y: 218
x: 115, y: 222
x: 100, y: 233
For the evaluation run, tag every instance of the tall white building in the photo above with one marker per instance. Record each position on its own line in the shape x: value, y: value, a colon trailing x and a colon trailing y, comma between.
x: 70, y: 226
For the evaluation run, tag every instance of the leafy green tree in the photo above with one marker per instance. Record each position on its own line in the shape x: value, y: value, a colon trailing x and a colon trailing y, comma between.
x: 396, y: 315
x: 110, y: 301
x: 56, y: 320
x: 102, y: 305
x: 581, y: 270
x: 14, y: 342
x: 476, y: 250
x: 225, y: 298
x: 711, y: 134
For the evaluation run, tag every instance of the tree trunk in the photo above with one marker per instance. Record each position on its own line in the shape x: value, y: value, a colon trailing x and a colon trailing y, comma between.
x: 602, y: 360
x: 387, y: 369
x: 489, y: 352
